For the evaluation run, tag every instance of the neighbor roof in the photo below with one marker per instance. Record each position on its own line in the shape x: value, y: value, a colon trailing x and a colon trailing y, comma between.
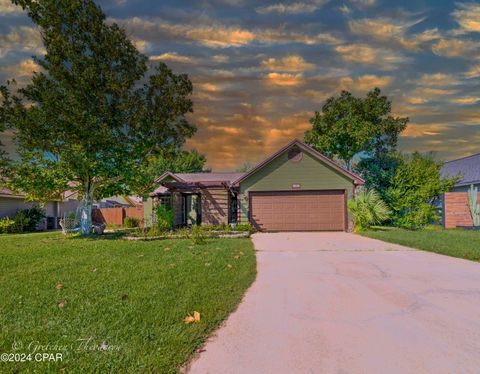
x: 354, y: 177
x: 466, y: 167
x: 4, y: 191
x: 201, y: 177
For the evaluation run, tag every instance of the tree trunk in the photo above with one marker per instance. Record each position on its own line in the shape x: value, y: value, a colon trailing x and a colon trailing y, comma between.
x: 86, y: 214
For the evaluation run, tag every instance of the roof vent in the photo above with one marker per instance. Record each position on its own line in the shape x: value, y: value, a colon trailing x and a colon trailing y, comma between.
x: 295, y: 154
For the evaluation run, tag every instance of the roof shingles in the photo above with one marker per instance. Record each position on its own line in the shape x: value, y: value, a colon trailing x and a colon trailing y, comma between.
x: 467, y: 167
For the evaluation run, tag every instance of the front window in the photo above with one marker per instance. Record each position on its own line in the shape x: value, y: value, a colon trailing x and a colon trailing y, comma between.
x: 233, y: 209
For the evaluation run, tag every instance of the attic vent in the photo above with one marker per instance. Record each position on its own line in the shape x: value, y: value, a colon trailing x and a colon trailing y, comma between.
x: 295, y: 155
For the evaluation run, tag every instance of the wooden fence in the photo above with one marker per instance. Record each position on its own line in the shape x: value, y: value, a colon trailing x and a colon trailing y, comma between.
x: 115, y: 216
x: 456, y: 210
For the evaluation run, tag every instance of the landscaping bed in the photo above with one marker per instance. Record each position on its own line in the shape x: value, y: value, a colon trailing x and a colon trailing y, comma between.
x: 451, y: 242
x: 112, y: 305
x: 196, y: 233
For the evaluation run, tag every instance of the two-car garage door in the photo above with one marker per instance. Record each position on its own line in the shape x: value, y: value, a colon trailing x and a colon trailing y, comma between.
x: 322, y: 210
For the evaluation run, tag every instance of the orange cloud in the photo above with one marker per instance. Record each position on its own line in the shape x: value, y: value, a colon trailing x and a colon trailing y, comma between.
x: 364, y: 82
x: 174, y: 57
x: 437, y: 79
x: 284, y: 79
x: 24, y: 68
x: 473, y: 72
x: 466, y: 100
x: 287, y: 63
x: 291, y: 8
x: 456, y: 48
x: 415, y: 130
x: 468, y: 17
x: 365, y: 54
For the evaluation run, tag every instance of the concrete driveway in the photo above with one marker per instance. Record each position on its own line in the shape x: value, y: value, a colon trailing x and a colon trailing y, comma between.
x: 341, y: 303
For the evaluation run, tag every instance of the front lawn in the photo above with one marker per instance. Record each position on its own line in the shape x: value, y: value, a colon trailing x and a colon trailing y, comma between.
x: 109, y: 305
x: 455, y: 242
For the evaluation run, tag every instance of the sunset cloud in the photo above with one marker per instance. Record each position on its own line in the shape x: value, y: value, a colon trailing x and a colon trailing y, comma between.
x: 291, y: 8
x: 467, y: 15
x: 287, y: 63
x: 23, y: 38
x: 284, y: 79
x: 6, y: 7
x: 389, y: 30
x: 365, y: 54
x: 473, y: 72
x: 260, y: 69
x: 365, y: 83
x: 466, y: 100
x: 415, y: 130
x: 174, y: 57
x: 456, y: 48
x: 437, y: 79
x: 22, y: 69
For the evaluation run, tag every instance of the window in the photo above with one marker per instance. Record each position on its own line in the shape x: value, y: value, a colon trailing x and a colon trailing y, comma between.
x: 165, y: 200
x: 233, y: 209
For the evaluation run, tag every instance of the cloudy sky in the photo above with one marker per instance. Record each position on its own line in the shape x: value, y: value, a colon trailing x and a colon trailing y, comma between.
x: 260, y: 68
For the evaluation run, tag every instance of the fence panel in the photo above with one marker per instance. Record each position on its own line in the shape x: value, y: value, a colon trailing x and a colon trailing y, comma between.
x: 109, y: 216
x: 456, y: 210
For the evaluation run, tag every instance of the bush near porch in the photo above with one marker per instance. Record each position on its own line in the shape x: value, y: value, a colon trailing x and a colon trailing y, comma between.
x: 127, y: 295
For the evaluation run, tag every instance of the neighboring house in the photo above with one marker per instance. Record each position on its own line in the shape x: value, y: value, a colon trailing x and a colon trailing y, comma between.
x: 119, y: 202
x: 455, y: 204
x: 10, y: 202
x: 468, y: 168
x: 295, y: 189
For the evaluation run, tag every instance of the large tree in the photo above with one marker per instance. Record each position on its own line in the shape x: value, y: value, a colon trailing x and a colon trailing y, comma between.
x: 94, y: 114
x: 348, y: 126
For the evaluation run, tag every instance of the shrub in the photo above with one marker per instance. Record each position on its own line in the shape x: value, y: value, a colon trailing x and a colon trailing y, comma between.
x: 416, y: 184
x: 28, y: 219
x: 368, y: 209
x: 243, y: 227
x: 164, y: 217
x: 221, y: 227
x: 131, y: 222
x: 6, y: 225
x: 415, y: 217
x: 198, y: 235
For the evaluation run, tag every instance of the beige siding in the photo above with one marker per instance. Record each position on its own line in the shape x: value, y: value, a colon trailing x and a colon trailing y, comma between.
x: 9, y: 205
x: 214, y: 206
x: 282, y: 174
x: 67, y: 206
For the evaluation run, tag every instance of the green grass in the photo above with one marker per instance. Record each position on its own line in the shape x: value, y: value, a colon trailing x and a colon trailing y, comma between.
x: 456, y: 242
x: 131, y: 295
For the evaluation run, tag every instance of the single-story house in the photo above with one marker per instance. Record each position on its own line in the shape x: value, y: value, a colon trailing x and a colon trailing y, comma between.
x: 455, y: 204
x: 295, y: 189
x: 10, y: 202
x: 467, y: 168
x: 119, y: 201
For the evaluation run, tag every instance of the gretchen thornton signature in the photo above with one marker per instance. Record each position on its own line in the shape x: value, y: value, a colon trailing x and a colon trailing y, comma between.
x: 81, y: 344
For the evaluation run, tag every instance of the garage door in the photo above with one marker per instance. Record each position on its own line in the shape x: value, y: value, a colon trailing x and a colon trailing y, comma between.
x: 298, y: 210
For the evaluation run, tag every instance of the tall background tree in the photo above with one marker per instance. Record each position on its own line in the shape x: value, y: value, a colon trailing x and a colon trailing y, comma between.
x: 348, y: 126
x: 175, y: 161
x: 94, y: 114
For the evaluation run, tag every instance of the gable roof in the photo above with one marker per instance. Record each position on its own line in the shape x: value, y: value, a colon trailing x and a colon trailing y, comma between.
x: 205, y: 179
x: 354, y: 177
x: 466, y: 167
x: 168, y: 174
x: 200, y: 177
